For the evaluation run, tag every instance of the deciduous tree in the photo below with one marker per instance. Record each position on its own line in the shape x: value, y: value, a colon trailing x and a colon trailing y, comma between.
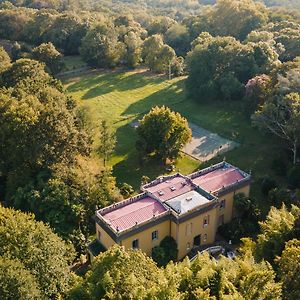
x: 157, y: 56
x: 277, y: 229
x: 163, y: 133
x: 219, y: 67
x: 43, y: 254
x: 289, y: 269
x: 281, y: 117
x: 101, y: 48
x: 120, y: 274
x: 107, y: 142
x: 48, y: 54
x: 16, y: 282
x: 232, y: 18
x: 4, y: 60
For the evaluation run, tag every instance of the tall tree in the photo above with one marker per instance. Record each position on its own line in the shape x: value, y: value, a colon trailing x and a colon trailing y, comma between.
x: 120, y: 274
x: 178, y: 38
x: 16, y: 282
x: 277, y: 229
x: 68, y: 199
x: 48, y: 54
x: 258, y: 90
x: 281, y: 117
x: 287, y: 33
x: 101, y: 48
x: 43, y: 254
x: 107, y: 142
x: 38, y: 125
x: 133, y: 49
x: 28, y: 75
x: 234, y: 18
x: 207, y: 279
x: 157, y: 56
x: 66, y: 32
x: 4, y: 60
x: 289, y: 269
x: 163, y: 132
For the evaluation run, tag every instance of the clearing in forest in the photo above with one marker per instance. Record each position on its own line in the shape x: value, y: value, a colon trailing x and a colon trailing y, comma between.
x: 120, y: 97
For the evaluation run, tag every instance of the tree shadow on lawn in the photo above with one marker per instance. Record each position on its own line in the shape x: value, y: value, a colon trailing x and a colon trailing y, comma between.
x: 169, y: 96
x: 130, y: 169
x: 104, y: 83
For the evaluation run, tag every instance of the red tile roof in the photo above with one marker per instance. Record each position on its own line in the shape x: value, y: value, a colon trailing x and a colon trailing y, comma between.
x: 133, y: 213
x: 169, y: 187
x: 217, y: 179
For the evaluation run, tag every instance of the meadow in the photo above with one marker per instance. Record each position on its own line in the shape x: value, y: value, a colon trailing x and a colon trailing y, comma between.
x: 121, y: 97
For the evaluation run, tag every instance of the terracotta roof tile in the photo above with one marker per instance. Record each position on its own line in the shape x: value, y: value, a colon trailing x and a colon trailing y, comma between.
x: 134, y: 213
x: 170, y: 187
x: 218, y: 178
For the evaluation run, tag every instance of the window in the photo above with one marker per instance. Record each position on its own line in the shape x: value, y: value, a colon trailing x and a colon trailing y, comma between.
x: 189, y: 229
x: 205, y: 237
x: 221, y: 220
x: 197, y: 240
x: 135, y: 244
x: 188, y: 246
x: 154, y: 235
x: 99, y: 235
x: 222, y: 204
x: 206, y: 221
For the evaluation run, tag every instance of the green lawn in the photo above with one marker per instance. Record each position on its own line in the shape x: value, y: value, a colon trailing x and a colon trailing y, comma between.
x: 121, y: 97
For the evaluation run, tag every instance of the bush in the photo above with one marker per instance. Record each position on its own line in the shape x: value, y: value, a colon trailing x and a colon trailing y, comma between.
x: 233, y: 230
x: 170, y: 246
x: 279, y: 166
x: 165, y: 252
x: 294, y: 176
x: 246, y: 207
x: 278, y: 195
x: 267, y: 184
x: 126, y: 190
x: 159, y: 256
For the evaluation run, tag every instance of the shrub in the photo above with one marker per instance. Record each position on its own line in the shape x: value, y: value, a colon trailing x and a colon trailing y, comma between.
x: 159, y: 256
x: 279, y: 166
x: 294, y: 176
x: 126, y: 190
x: 170, y: 246
x: 233, y: 230
x: 267, y: 184
x: 165, y: 252
x: 278, y: 195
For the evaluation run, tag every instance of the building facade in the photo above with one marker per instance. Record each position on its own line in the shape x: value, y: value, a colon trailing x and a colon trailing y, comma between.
x: 188, y: 208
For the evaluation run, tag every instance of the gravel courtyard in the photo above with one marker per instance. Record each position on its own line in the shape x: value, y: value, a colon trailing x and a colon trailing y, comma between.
x: 205, y: 144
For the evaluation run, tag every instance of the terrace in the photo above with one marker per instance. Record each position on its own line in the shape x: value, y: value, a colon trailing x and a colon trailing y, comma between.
x: 187, y: 202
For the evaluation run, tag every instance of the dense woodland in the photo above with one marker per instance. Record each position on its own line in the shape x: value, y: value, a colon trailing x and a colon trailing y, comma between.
x: 51, y: 179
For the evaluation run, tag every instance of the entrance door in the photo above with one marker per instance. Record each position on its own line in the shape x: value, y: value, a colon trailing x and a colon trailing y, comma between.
x: 197, y: 240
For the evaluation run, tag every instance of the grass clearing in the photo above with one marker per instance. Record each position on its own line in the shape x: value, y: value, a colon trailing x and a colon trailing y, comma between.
x: 121, y: 97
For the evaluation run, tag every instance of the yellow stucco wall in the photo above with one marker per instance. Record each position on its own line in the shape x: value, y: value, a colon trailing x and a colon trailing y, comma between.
x: 228, y: 210
x: 104, y: 238
x: 174, y: 231
x: 179, y: 231
x: 187, y: 235
x: 145, y: 237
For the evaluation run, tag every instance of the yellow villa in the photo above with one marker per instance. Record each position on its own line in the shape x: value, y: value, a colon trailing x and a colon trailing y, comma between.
x: 188, y: 208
